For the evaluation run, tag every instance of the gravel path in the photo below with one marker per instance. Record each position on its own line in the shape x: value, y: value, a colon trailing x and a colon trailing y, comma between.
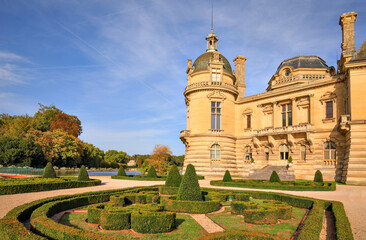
x: 353, y: 198
x: 207, y: 224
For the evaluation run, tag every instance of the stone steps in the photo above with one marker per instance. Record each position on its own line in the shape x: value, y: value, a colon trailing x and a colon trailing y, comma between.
x: 265, y: 173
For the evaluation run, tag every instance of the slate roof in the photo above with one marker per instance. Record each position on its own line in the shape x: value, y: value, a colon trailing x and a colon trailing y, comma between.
x: 201, y: 63
x: 303, y: 61
x: 361, y: 53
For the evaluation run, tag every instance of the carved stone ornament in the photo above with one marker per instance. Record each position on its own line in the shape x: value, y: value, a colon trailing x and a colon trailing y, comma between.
x: 268, y: 108
x: 247, y: 111
x: 216, y: 94
x: 187, y: 101
x: 328, y: 96
x: 303, y: 102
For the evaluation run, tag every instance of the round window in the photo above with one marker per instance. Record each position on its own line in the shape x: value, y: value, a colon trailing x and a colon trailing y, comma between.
x: 287, y: 73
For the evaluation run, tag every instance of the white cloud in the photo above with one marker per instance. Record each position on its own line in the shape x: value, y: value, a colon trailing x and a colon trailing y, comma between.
x: 9, y: 75
x: 11, y: 57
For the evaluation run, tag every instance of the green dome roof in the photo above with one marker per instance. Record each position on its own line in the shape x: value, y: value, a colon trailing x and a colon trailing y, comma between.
x: 201, y: 63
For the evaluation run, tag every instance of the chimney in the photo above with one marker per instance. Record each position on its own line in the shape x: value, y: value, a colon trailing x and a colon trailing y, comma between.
x: 240, y: 74
x: 347, y: 22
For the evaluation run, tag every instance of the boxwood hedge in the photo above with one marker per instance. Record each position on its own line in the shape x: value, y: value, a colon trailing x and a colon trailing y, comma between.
x: 170, y: 204
x: 115, y: 219
x: 153, y: 222
x: 168, y: 190
x: 94, y: 212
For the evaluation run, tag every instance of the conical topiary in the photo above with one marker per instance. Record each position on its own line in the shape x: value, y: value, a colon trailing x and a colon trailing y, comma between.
x: 274, y: 177
x: 152, y: 173
x: 121, y: 171
x: 49, y: 172
x: 174, y: 179
x: 189, y: 189
x: 83, y: 174
x: 318, y: 176
x: 227, y: 177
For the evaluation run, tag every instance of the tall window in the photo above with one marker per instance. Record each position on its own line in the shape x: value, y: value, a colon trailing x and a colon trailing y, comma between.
x: 215, y: 152
x: 284, y: 152
x: 249, y: 121
x: 287, y: 115
x: 303, y: 153
x: 329, y: 150
x: 215, y: 115
x: 248, y: 153
x: 329, y: 109
x: 216, y: 74
x: 266, y: 153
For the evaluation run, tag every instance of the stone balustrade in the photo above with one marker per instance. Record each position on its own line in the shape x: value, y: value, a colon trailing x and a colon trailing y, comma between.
x: 283, y: 79
x: 282, y: 130
x: 330, y: 162
x: 216, y: 131
x: 211, y: 85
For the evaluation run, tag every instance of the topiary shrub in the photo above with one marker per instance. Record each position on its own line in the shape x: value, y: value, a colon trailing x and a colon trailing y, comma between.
x: 83, y: 174
x: 49, y: 172
x: 152, y: 173
x: 290, y: 159
x: 189, y: 188
x: 227, y: 177
x: 274, y: 177
x: 174, y: 179
x: 153, y: 222
x: 94, y: 212
x: 121, y: 171
x: 318, y: 177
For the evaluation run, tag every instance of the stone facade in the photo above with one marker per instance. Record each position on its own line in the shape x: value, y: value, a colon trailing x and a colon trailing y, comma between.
x: 311, y: 113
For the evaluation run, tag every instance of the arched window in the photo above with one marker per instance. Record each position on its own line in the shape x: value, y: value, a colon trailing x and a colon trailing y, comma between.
x: 215, y: 151
x: 266, y: 153
x: 283, y: 152
x: 303, y: 152
x: 329, y: 150
x: 248, y: 153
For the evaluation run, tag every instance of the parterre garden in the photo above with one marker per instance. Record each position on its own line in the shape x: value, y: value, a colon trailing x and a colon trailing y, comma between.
x: 157, y: 213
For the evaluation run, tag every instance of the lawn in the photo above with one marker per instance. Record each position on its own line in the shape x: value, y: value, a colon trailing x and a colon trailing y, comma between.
x: 187, y: 228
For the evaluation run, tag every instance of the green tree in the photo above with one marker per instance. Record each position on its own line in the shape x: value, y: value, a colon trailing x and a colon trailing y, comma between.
x: 189, y: 189
x: 174, y: 179
x: 92, y: 156
x: 114, y: 156
x: 83, y: 174
x: 227, y: 177
x: 43, y: 117
x: 274, y: 177
x: 152, y: 173
x: 49, y: 172
x: 318, y: 177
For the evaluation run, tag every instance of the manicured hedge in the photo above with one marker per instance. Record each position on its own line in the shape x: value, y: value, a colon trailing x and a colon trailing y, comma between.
x: 240, y: 235
x: 342, y: 224
x: 261, y: 215
x: 170, y: 204
x: 115, y: 220
x: 238, y: 207
x: 283, y: 185
x: 153, y: 222
x: 140, y: 177
x: 174, y: 178
x: 168, y: 190
x: 23, y: 185
x: 241, y: 197
x: 127, y: 199
x: 94, y: 212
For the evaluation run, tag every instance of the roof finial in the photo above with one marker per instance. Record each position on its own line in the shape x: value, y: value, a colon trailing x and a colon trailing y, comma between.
x: 211, y: 15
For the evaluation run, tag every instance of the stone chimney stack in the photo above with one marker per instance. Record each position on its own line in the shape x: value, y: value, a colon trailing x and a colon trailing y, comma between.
x: 240, y: 74
x: 347, y: 22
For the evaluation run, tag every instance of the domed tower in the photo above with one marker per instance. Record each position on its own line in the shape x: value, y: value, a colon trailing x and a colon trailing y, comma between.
x: 210, y: 96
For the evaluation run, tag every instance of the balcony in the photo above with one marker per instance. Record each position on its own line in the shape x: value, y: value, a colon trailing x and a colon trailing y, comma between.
x: 282, y: 130
x: 211, y: 85
x: 185, y: 133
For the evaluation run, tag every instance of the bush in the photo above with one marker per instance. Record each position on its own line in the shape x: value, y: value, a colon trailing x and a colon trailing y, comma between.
x: 168, y: 190
x: 170, y: 204
x: 227, y: 177
x: 190, y: 189
x: 153, y: 222
x: 115, y: 220
x: 290, y: 159
x: 261, y: 215
x: 83, y: 174
x: 174, y: 179
x: 238, y: 207
x: 152, y: 173
x: 94, y: 212
x: 241, y: 197
x: 118, y: 201
x: 121, y: 171
x: 318, y: 177
x: 49, y: 172
x: 274, y: 177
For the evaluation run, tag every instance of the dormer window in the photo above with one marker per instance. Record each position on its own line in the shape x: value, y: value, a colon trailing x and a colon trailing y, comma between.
x: 287, y: 73
x: 216, y: 74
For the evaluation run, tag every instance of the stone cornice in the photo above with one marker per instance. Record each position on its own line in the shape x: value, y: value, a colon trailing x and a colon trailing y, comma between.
x: 210, y: 85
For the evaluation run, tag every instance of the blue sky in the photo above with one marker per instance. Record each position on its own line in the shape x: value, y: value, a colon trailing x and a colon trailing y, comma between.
x: 120, y: 65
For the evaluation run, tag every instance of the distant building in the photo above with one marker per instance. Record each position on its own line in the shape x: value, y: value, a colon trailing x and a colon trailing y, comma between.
x: 310, y: 112
x: 132, y: 162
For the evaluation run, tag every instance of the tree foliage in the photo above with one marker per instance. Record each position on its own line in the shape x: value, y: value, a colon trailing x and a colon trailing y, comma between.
x: 92, y: 156
x: 43, y: 117
x: 68, y: 123
x: 114, y: 156
x: 49, y: 172
x: 174, y: 179
x: 159, y: 158
x: 227, y: 177
x: 83, y: 174
x: 318, y: 177
x: 189, y: 189
x: 274, y: 177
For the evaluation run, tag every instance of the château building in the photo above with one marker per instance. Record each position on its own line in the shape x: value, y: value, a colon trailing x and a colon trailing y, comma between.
x: 311, y: 113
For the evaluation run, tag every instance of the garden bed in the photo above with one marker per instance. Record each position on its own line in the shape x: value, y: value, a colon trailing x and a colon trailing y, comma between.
x: 146, y: 178
x: 300, y: 185
x: 37, y: 184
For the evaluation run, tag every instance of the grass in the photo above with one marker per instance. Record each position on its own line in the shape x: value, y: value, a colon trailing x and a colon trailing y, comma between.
x: 236, y: 222
x: 187, y: 228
